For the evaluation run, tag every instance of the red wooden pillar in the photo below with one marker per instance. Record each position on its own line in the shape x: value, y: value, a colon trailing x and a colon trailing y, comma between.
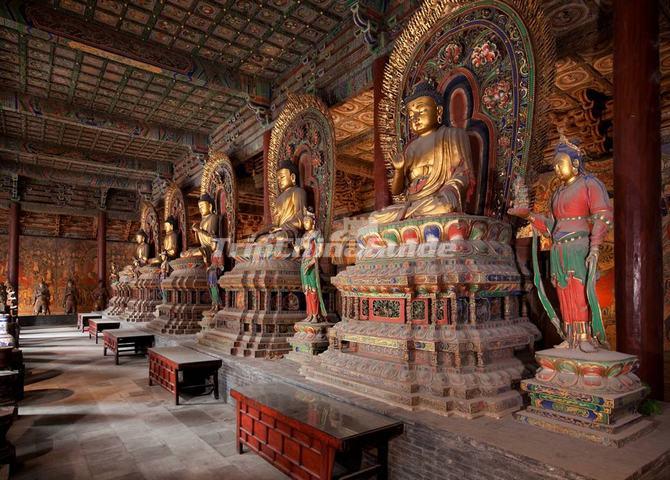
x: 382, y: 193
x: 102, y: 246
x: 13, y: 250
x: 637, y: 188
x: 267, y: 215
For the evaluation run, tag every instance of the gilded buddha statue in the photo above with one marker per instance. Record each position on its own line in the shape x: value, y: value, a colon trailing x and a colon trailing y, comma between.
x: 288, y: 213
x: 171, y: 238
x: 207, y: 231
x: 142, y: 249
x: 435, y: 170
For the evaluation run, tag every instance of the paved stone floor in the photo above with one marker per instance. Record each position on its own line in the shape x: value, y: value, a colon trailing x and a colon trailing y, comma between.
x: 83, y: 417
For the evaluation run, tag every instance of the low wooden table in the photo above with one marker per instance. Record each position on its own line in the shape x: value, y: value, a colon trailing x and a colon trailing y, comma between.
x: 310, y: 436
x: 135, y: 341
x: 167, y: 363
x: 96, y: 326
x: 83, y: 318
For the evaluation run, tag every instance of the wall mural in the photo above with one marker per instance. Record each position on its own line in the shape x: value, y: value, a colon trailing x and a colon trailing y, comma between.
x: 57, y: 259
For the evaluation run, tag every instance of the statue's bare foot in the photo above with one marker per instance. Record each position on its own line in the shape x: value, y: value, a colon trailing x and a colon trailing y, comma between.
x: 564, y: 344
x: 587, y: 347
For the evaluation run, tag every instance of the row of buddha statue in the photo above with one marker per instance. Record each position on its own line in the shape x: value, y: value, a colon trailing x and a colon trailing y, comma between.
x: 455, y: 303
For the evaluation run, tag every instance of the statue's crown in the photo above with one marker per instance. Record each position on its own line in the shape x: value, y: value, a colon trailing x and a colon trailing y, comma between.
x: 206, y: 197
x: 570, y: 147
x: 425, y: 88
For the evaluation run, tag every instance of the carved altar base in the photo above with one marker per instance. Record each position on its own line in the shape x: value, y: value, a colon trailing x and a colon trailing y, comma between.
x: 187, y: 298
x: 263, y: 300
x: 120, y: 295
x: 147, y: 295
x: 431, y: 318
x: 593, y: 396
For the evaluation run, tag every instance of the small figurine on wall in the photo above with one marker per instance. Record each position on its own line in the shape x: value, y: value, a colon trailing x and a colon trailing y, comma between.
x: 580, y: 215
x: 42, y: 298
x: 312, y: 247
x: 100, y: 296
x: 70, y: 298
x: 12, y: 300
x: 4, y: 308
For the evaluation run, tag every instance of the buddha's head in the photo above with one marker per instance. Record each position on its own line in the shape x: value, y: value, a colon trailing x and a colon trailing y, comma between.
x: 287, y: 175
x: 424, y: 108
x: 170, y: 224
x: 205, y: 204
x: 140, y: 237
x: 567, y: 159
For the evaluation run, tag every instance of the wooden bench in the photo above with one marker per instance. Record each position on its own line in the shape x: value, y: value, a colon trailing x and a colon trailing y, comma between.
x: 83, y: 318
x: 310, y: 436
x: 132, y: 342
x: 96, y: 326
x: 168, y: 364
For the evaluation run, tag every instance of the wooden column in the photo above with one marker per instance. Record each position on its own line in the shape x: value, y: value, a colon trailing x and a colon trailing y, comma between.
x: 382, y: 193
x: 637, y: 188
x: 13, y: 247
x: 102, y: 246
x: 267, y: 216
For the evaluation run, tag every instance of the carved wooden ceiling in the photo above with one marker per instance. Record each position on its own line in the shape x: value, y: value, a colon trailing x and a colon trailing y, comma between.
x: 257, y: 38
x: 110, y: 97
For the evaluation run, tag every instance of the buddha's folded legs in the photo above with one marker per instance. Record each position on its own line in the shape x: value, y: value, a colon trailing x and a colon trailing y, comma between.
x: 392, y: 213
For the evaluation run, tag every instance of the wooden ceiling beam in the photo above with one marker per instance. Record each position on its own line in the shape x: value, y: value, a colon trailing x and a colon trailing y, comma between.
x: 52, y: 209
x: 69, y: 177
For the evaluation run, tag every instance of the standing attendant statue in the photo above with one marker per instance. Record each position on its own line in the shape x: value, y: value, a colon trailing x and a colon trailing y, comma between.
x: 165, y: 272
x: 580, y: 215
x: 42, y: 299
x: 70, y: 298
x: 311, y: 245
x: 113, y: 274
x: 100, y: 296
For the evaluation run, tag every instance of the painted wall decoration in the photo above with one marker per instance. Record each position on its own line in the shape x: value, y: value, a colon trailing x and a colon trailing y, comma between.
x: 57, y: 259
x: 304, y: 134
x: 485, y: 58
x: 666, y: 251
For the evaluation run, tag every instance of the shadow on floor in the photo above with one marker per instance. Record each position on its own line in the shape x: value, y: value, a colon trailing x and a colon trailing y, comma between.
x: 46, y: 395
x: 35, y: 375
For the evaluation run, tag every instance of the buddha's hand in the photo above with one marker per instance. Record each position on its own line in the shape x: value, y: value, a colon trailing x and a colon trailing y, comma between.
x: 399, y: 161
x: 195, y: 227
x: 521, y: 212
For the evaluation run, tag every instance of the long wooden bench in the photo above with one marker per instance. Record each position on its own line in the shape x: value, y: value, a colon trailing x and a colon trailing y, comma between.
x: 309, y: 436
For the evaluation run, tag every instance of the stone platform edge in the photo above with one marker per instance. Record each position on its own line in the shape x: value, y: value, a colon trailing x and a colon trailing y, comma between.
x: 483, y: 448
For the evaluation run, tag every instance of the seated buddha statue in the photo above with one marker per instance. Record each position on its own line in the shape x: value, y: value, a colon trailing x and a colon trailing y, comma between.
x: 290, y: 205
x: 435, y: 171
x: 141, y: 257
x: 207, y: 231
x: 171, y: 238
